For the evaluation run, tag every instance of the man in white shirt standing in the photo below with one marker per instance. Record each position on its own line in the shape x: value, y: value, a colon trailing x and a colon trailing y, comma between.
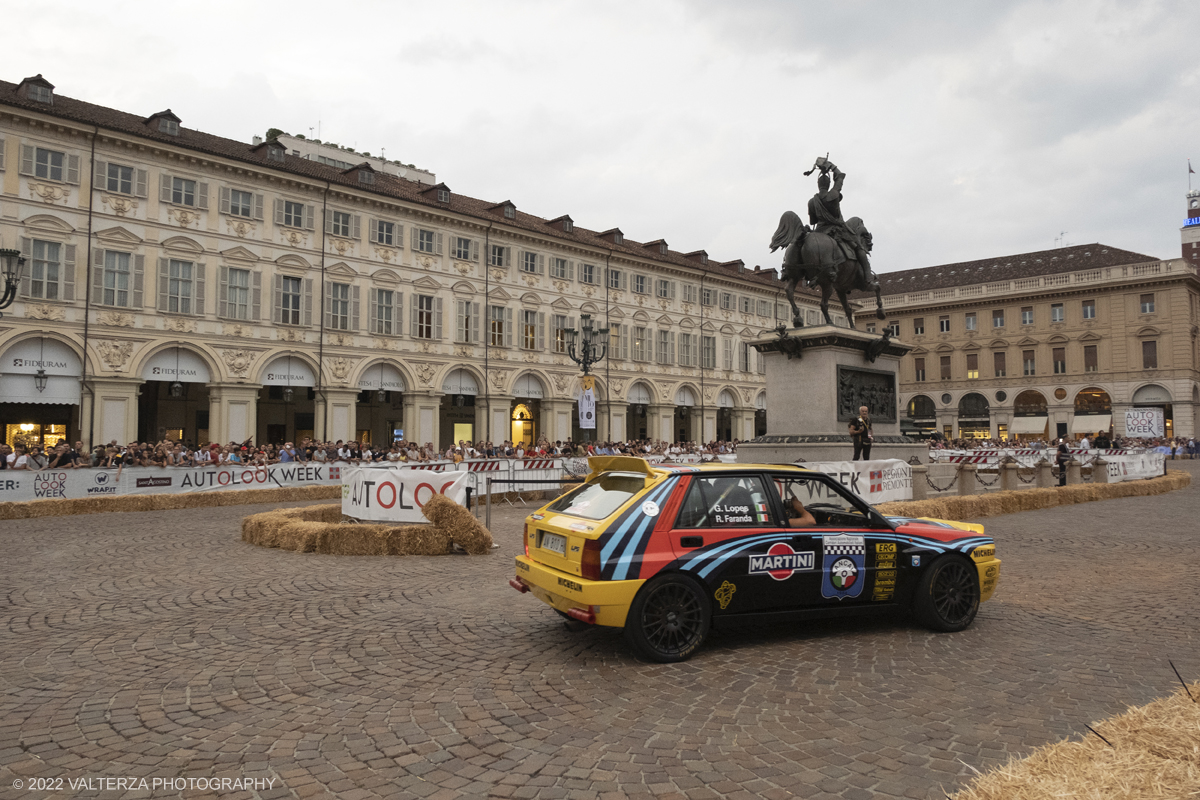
x: 1083, y: 443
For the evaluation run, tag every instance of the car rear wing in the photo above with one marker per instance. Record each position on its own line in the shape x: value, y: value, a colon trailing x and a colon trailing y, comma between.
x: 598, y: 464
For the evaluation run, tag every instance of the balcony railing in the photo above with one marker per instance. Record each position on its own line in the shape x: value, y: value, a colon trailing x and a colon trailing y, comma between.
x: 996, y: 288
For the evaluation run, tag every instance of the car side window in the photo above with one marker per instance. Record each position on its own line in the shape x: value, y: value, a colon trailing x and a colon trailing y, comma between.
x: 828, y: 506
x: 726, y: 501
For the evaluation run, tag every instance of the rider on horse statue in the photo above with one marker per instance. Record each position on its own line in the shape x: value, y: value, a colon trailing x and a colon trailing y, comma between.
x: 825, y: 215
x: 832, y: 254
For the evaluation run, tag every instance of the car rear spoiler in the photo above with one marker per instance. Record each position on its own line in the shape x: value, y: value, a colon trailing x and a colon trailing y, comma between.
x: 598, y: 464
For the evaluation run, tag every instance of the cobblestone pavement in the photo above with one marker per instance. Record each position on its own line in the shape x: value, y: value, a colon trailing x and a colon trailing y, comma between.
x: 159, y: 645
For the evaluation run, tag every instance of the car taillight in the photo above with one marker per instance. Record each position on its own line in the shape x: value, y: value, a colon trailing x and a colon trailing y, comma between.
x: 589, y: 564
x: 527, y: 540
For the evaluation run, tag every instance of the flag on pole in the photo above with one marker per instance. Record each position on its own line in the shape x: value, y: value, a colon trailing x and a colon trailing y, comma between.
x: 587, y: 403
x: 1190, y: 170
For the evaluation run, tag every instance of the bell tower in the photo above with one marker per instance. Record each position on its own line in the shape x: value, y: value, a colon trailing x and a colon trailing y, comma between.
x: 1190, y: 232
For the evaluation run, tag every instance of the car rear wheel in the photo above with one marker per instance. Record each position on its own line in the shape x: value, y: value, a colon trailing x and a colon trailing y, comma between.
x: 669, y: 619
x: 947, y: 597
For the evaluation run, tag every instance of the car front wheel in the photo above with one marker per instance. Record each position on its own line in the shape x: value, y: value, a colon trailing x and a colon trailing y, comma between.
x: 947, y: 597
x: 669, y: 619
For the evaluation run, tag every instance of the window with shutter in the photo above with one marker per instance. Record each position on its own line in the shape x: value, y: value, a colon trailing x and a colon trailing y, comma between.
x: 288, y: 295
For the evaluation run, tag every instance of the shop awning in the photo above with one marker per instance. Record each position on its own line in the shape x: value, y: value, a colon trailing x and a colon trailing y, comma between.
x: 289, y: 371
x: 1028, y: 425
x: 528, y: 386
x: 382, y: 376
x: 176, y: 364
x: 21, y: 389
x: 460, y: 382
x: 21, y: 363
x: 1091, y: 423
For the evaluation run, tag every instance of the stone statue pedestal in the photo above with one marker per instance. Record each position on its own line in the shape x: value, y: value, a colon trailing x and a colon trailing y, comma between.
x: 817, y: 377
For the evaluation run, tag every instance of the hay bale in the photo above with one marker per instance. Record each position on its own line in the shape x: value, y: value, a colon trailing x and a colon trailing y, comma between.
x: 459, y: 524
x: 321, y: 529
x: 1154, y: 755
x: 994, y: 504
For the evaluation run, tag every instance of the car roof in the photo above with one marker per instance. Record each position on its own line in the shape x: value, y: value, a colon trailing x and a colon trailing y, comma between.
x: 600, y: 464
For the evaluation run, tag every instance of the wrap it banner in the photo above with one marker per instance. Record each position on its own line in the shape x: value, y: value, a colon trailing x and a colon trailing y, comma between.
x: 397, y: 495
x: 587, y: 402
x: 874, y: 481
x: 76, y: 484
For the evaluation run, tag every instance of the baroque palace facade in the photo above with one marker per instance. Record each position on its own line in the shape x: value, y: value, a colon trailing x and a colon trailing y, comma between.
x: 1049, y: 344
x: 185, y: 285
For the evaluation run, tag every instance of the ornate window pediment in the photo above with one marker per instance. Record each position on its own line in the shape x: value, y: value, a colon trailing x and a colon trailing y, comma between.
x: 342, y: 269
x: 118, y: 236
x: 1058, y: 338
x: 294, y: 261
x: 185, y: 244
x: 1028, y: 342
x: 426, y: 282
x: 998, y: 343
x: 561, y: 304
x: 1090, y: 337
x: 47, y: 222
x: 945, y: 348
x: 464, y: 287
x: 498, y: 293
x: 238, y: 254
x: 1149, y: 330
x: 531, y: 299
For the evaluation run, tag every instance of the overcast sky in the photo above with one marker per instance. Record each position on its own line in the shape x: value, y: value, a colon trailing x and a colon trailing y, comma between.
x: 966, y: 129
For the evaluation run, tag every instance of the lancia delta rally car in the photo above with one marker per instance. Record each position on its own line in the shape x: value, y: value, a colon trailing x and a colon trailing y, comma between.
x: 662, y: 551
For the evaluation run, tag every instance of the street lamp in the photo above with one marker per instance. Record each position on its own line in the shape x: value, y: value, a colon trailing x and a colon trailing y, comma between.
x: 588, y: 348
x: 287, y: 392
x: 11, y: 264
x: 176, y: 387
x: 381, y: 395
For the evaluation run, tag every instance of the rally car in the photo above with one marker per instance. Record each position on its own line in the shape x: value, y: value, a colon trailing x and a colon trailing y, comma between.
x: 662, y: 551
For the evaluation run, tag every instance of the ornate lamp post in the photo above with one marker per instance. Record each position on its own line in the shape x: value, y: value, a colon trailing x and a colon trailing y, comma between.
x: 587, y: 349
x: 591, y: 347
x: 11, y: 264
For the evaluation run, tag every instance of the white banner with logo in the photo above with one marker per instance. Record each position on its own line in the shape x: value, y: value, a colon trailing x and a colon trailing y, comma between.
x: 397, y: 495
x: 1144, y: 423
x: 76, y: 484
x: 874, y: 481
x: 1136, y: 467
x: 587, y: 403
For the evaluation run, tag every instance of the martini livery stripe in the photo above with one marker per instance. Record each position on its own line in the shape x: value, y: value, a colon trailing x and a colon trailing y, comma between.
x: 630, y: 533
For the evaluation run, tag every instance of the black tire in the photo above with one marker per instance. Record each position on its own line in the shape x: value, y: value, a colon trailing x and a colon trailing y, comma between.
x: 947, y: 597
x: 669, y: 619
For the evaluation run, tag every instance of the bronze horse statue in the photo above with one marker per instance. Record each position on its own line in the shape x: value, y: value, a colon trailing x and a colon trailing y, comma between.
x: 821, y: 260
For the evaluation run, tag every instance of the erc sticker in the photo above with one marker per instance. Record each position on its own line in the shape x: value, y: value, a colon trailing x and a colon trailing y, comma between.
x: 781, y: 562
x: 724, y: 594
x: 886, y: 547
x: 650, y: 508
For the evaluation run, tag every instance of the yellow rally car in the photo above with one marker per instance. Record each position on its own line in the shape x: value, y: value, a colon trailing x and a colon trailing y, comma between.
x: 663, y: 550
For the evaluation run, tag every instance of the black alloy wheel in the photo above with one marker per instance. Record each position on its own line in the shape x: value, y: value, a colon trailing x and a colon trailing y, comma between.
x: 947, y: 597
x: 669, y: 619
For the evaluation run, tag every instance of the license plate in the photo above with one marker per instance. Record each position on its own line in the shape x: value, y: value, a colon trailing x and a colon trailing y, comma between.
x: 554, y: 543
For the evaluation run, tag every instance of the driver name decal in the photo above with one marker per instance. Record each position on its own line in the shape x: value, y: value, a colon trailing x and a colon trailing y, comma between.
x: 781, y: 562
x: 842, y: 566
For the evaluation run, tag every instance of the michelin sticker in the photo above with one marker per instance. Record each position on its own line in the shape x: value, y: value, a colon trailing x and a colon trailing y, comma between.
x: 650, y: 508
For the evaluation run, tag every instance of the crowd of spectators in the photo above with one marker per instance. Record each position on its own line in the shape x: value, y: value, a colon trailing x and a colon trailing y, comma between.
x: 169, y: 453
x: 1175, y: 447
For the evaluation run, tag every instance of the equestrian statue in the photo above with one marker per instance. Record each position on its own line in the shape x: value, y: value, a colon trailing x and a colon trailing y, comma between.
x: 832, y: 254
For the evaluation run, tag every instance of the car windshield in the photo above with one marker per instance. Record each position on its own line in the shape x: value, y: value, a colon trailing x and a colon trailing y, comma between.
x: 601, y: 497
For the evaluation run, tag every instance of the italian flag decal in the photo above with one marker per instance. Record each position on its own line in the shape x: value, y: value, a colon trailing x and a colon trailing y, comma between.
x: 761, y: 512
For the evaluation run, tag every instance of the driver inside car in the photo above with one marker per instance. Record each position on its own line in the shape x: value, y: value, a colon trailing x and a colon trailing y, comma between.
x: 798, y: 515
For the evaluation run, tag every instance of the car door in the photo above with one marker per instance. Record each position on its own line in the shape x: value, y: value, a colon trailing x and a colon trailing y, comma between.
x: 728, y: 534
x: 856, y: 550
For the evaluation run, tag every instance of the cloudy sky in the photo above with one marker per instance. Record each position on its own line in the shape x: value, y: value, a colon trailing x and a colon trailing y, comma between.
x: 967, y: 129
